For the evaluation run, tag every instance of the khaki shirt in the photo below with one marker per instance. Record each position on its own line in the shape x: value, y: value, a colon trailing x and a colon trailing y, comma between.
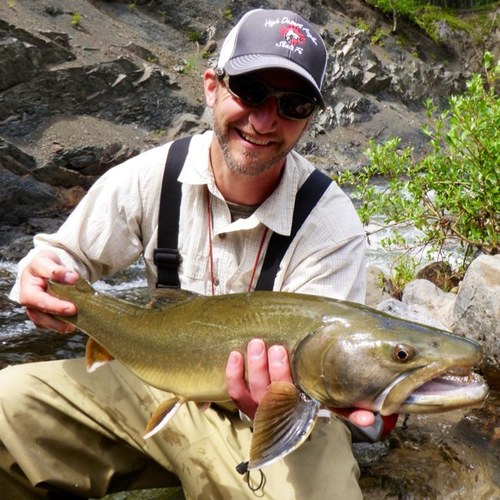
x: 117, y: 222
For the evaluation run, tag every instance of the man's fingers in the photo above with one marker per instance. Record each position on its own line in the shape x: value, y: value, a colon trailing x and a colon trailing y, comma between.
x: 44, y: 320
x: 258, y: 371
x: 48, y: 265
x: 279, y: 366
x: 33, y: 291
x: 236, y: 385
x: 36, y: 298
x: 235, y: 381
x: 361, y: 418
x: 263, y: 367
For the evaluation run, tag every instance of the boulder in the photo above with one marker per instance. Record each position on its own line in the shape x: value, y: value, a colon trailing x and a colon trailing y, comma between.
x: 437, y: 303
x: 441, y: 274
x: 375, y: 290
x: 23, y: 197
x: 476, y: 313
x: 411, y: 312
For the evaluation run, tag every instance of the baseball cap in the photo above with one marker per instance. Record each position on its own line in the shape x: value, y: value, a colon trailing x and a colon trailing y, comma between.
x: 265, y: 39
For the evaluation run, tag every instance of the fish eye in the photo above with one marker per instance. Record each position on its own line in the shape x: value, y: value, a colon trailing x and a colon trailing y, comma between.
x: 403, y: 352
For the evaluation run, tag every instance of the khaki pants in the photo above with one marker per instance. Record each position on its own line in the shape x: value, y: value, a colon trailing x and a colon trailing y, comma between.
x: 63, y: 429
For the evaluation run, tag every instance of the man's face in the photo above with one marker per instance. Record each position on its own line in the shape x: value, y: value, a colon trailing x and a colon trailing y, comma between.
x: 254, y: 139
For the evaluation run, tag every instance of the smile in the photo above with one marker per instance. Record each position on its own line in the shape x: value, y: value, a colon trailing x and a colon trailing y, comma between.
x: 253, y: 140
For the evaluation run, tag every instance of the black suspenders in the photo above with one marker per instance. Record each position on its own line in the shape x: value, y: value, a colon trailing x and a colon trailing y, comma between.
x: 166, y: 256
x: 307, y: 196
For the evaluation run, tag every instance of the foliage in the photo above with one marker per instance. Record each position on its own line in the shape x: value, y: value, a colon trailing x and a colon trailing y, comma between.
x: 409, y: 7
x: 403, y: 271
x: 76, y: 19
x: 228, y: 14
x: 378, y: 36
x: 453, y: 192
x: 426, y: 14
x: 194, y: 35
x: 190, y: 65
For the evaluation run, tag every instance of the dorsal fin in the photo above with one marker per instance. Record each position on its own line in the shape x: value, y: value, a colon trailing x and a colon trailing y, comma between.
x: 84, y: 286
x: 162, y: 298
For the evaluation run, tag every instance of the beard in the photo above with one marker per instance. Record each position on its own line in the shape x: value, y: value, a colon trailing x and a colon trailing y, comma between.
x: 252, y: 163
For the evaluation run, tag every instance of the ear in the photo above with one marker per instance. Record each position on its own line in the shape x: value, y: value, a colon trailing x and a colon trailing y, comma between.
x: 210, y: 83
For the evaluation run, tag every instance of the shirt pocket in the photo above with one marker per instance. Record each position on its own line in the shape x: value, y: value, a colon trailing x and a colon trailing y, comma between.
x: 194, y: 266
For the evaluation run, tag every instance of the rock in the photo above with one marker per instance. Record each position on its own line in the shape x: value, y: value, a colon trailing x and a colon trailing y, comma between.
x: 142, y: 52
x: 83, y: 165
x: 476, y: 314
x: 437, y: 303
x: 114, y: 90
x: 413, y: 312
x: 14, y: 159
x: 24, y: 62
x: 188, y: 123
x: 28, y: 53
x: 375, y: 292
x: 439, y: 273
x: 23, y: 197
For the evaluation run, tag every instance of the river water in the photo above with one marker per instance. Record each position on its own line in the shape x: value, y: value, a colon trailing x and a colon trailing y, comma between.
x: 452, y: 456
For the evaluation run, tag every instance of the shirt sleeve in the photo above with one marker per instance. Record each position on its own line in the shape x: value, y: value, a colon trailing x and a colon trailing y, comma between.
x: 104, y: 232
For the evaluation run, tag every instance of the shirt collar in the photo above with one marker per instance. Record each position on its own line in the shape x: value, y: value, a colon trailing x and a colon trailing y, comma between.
x: 276, y: 212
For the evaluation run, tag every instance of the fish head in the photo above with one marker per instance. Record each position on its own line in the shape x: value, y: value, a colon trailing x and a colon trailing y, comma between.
x: 371, y: 360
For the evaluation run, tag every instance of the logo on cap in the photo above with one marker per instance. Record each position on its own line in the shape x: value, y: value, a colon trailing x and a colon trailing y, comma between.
x: 292, y: 35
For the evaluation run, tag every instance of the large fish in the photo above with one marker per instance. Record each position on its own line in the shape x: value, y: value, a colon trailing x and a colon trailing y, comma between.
x: 342, y: 355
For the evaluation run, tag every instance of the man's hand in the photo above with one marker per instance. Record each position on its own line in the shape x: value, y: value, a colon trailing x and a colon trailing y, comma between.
x: 41, y: 306
x: 266, y: 366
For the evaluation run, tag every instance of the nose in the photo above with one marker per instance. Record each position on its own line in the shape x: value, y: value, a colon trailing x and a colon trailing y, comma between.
x: 265, y: 116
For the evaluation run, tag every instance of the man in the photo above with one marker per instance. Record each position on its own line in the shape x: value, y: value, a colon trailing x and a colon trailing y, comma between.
x: 64, y: 432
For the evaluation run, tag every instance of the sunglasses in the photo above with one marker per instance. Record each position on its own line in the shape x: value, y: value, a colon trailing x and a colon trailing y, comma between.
x: 253, y: 91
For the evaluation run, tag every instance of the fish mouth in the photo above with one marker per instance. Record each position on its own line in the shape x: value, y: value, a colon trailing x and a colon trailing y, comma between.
x: 458, y: 388
x: 447, y: 392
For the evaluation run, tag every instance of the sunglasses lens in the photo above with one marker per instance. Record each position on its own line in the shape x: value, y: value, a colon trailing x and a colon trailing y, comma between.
x: 254, y: 92
x: 249, y: 90
x: 296, y: 106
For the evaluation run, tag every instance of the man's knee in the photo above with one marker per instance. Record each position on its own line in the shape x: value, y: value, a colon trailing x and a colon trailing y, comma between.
x: 15, y: 382
x: 21, y: 399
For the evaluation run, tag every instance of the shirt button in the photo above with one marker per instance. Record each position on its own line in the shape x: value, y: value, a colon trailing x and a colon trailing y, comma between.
x: 216, y: 282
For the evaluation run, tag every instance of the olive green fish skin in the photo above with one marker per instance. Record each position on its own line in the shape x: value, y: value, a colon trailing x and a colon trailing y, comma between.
x: 342, y: 354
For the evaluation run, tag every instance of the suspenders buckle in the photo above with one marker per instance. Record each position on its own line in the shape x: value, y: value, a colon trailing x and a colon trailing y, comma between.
x: 167, y: 257
x: 167, y: 261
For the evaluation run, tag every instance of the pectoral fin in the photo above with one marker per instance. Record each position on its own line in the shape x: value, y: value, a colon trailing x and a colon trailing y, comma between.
x: 162, y: 416
x: 96, y: 355
x: 284, y: 419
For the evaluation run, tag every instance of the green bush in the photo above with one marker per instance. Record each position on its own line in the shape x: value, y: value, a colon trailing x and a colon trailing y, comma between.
x: 452, y: 194
x: 426, y: 14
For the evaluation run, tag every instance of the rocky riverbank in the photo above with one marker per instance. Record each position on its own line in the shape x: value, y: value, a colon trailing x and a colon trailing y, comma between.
x: 85, y: 85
